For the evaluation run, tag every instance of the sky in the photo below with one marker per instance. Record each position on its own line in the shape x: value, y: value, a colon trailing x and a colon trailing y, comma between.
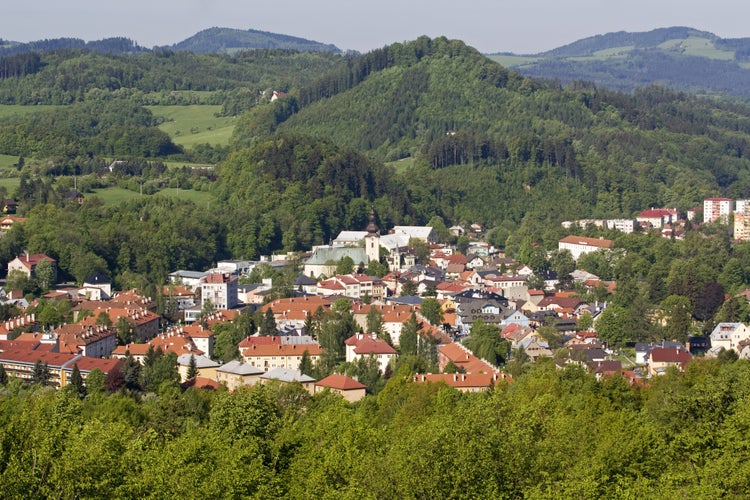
x: 518, y: 26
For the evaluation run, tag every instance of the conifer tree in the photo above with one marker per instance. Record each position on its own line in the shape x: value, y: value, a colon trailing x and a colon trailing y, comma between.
x: 192, y: 368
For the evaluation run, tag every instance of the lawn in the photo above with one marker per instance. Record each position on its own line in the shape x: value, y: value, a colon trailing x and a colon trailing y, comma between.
x: 402, y: 164
x: 699, y: 47
x: 195, y: 124
x: 114, y: 196
x: 7, y: 162
x: 10, y: 183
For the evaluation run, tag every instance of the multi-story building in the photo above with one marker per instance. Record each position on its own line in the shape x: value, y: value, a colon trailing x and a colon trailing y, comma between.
x: 717, y: 210
x: 20, y: 363
x: 220, y: 289
x: 272, y: 352
x: 742, y: 220
x: 579, y: 245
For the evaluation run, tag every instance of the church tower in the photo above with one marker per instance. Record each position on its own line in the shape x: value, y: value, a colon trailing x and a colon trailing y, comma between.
x: 372, y: 239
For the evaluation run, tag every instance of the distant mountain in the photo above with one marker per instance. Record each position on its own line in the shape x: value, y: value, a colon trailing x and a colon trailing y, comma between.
x: 682, y: 58
x: 229, y: 40
x: 115, y: 45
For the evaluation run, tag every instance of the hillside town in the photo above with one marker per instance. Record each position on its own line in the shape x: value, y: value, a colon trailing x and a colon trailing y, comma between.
x: 446, y: 294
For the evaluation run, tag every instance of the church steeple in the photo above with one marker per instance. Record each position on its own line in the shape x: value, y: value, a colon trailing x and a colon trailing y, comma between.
x: 372, y: 227
x: 372, y: 239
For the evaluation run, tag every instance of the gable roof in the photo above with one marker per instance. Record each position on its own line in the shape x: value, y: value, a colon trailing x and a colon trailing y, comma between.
x: 340, y: 382
x: 589, y: 242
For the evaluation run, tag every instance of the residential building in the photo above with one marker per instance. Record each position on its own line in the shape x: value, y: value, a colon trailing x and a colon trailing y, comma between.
x: 220, y: 289
x: 579, y: 245
x: 268, y: 353
x: 206, y: 367
x: 287, y: 376
x: 361, y: 345
x: 26, y: 264
x: 717, y: 210
x: 662, y: 358
x: 20, y: 363
x: 350, y: 389
x: 742, y: 220
x: 464, y: 382
x: 91, y: 340
x: 236, y: 374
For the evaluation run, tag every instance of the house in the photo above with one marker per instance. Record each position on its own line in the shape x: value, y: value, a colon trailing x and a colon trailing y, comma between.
x: 535, y: 347
x: 101, y: 282
x: 10, y: 206
x: 356, y: 286
x: 206, y: 367
x: 7, y: 223
x: 661, y: 358
x: 579, y: 245
x: 728, y: 335
x: 287, y: 376
x: 170, y: 341
x: 268, y: 353
x: 393, y: 315
x: 202, y: 337
x: 295, y: 311
x: 361, y: 345
x: 201, y: 383
x: 464, y: 382
x: 350, y: 389
x: 236, y: 374
x: 27, y: 264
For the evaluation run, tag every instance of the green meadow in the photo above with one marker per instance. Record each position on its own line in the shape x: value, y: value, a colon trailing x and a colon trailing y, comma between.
x: 113, y: 196
x: 195, y: 124
x: 15, y: 110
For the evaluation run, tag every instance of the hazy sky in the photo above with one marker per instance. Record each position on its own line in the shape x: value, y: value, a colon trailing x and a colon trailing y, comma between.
x: 520, y: 26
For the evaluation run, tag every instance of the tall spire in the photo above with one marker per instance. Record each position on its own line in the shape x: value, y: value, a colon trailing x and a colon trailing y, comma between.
x: 372, y: 227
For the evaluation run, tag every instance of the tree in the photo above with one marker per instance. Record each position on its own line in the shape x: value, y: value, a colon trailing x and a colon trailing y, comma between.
x: 124, y: 332
x: 678, y: 315
x: 44, y: 272
x: 375, y: 321
x: 3, y: 375
x: 408, y: 288
x: 192, y: 371
x: 421, y: 250
x: 104, y: 319
x: 484, y: 341
x: 585, y: 322
x: 40, y: 374
x: 305, y: 364
x: 432, y: 311
x: 611, y: 325
x: 562, y: 262
x: 345, y: 265
x: 268, y: 324
x: 408, y: 338
x: 95, y: 381
x: 76, y: 383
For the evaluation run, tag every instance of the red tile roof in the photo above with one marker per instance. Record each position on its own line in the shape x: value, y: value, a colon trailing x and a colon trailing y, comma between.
x: 340, y: 382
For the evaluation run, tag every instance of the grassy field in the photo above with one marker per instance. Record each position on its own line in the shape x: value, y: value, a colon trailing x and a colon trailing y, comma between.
x: 401, y: 165
x: 10, y: 183
x: 512, y: 60
x: 699, y: 47
x: 191, y: 125
x: 7, y: 161
x: 114, y: 196
x: 13, y: 110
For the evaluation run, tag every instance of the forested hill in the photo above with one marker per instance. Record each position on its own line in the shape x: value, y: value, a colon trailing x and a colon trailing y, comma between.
x: 681, y: 58
x: 229, y: 40
x: 491, y: 145
x: 114, y: 45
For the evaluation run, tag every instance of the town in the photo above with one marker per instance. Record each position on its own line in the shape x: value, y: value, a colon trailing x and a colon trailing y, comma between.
x: 443, y: 300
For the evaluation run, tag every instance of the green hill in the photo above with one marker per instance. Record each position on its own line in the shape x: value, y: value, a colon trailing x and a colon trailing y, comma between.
x: 682, y: 58
x: 229, y: 41
x: 493, y: 146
